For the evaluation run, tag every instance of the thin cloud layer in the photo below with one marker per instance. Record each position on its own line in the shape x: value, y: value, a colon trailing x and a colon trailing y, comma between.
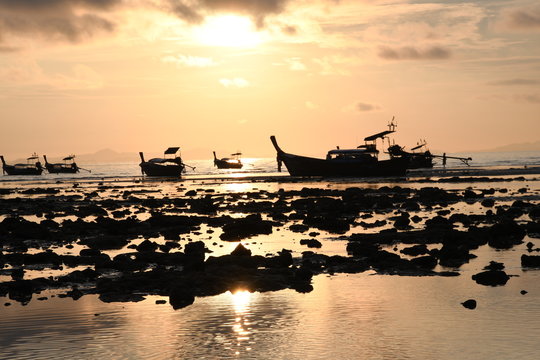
x: 412, y: 53
x: 189, y: 61
x: 523, y: 19
x: 513, y: 82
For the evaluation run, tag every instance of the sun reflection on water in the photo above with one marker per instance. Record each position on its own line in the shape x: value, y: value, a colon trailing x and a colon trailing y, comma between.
x: 241, y: 301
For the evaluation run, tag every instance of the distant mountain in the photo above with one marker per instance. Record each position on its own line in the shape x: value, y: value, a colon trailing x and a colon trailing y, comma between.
x: 528, y: 146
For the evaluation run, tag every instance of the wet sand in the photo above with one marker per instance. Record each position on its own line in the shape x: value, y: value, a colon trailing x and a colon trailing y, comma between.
x: 128, y: 239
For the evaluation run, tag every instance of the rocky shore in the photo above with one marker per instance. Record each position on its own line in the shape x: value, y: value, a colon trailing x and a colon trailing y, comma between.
x: 126, y: 241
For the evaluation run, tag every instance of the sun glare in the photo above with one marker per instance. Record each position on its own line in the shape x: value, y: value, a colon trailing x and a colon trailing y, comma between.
x: 228, y: 30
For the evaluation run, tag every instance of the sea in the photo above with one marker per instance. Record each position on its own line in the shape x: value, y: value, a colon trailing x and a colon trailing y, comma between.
x: 264, y: 167
x: 346, y: 316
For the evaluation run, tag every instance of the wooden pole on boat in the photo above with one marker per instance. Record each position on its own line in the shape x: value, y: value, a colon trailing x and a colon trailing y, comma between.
x: 142, y: 161
x: 3, y: 164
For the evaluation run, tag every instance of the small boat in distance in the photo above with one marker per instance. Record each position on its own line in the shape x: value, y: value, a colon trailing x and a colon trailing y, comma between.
x: 360, y: 162
x: 170, y: 165
x: 67, y: 167
x: 32, y: 166
x: 228, y: 163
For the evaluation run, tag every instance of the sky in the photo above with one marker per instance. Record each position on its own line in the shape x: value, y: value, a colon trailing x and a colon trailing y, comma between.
x: 78, y: 76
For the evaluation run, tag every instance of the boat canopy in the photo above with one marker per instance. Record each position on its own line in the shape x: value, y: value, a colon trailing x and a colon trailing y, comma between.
x: 171, y: 150
x: 68, y: 158
x: 236, y: 154
x: 378, y: 135
x: 349, y: 152
x: 161, y: 160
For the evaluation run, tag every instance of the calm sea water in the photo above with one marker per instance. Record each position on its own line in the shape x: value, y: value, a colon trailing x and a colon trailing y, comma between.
x: 263, y: 167
x: 355, y: 316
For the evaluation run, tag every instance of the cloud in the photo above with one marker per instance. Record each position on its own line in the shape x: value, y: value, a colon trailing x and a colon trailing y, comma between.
x: 55, y: 19
x: 361, y: 107
x: 528, y: 98
x: 8, y: 49
x: 189, y: 61
x: 234, y: 83
x: 512, y: 82
x: 295, y: 64
x: 194, y: 11
x: 522, y: 19
x: 412, y: 53
x: 311, y: 106
x: 365, y: 107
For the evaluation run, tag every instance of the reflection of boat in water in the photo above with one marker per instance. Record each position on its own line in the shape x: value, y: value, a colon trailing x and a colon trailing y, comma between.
x: 360, y: 162
x: 30, y: 168
x: 228, y: 163
x: 170, y: 165
x: 67, y: 167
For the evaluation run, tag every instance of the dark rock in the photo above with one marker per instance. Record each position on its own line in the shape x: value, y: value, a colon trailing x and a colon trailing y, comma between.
x: 402, y: 222
x: 488, y: 202
x: 180, y: 297
x: 530, y: 260
x: 493, y: 265
x: 469, y: 304
x: 299, y: 228
x: 415, y: 250
x: 469, y: 194
x: 90, y: 252
x: 147, y: 245
x: 425, y: 262
x: 505, y: 234
x: 523, y: 292
x: 241, y: 250
x: 160, y: 302
x: 491, y: 278
x: 311, y: 243
x: 21, y: 291
x: 246, y: 227
x: 75, y: 293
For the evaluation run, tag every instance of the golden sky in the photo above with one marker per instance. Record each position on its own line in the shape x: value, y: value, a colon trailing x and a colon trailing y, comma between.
x: 77, y: 76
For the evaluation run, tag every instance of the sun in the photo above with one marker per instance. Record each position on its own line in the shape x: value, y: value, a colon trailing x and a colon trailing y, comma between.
x: 228, y: 30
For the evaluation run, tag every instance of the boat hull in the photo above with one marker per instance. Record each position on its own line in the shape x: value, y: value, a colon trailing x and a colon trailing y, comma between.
x: 53, y: 169
x: 307, y: 166
x: 420, y: 162
x: 12, y: 170
x: 223, y: 164
x: 171, y: 170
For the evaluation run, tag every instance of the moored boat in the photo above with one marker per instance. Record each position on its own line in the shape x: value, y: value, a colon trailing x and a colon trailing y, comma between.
x: 32, y: 166
x: 228, y: 163
x: 360, y: 162
x: 416, y: 160
x: 67, y: 167
x: 170, y: 165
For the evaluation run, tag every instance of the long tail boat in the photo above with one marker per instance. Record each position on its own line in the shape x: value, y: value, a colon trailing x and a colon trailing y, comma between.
x: 360, y: 162
x: 67, y: 167
x: 32, y: 166
x: 170, y: 165
x: 228, y: 163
